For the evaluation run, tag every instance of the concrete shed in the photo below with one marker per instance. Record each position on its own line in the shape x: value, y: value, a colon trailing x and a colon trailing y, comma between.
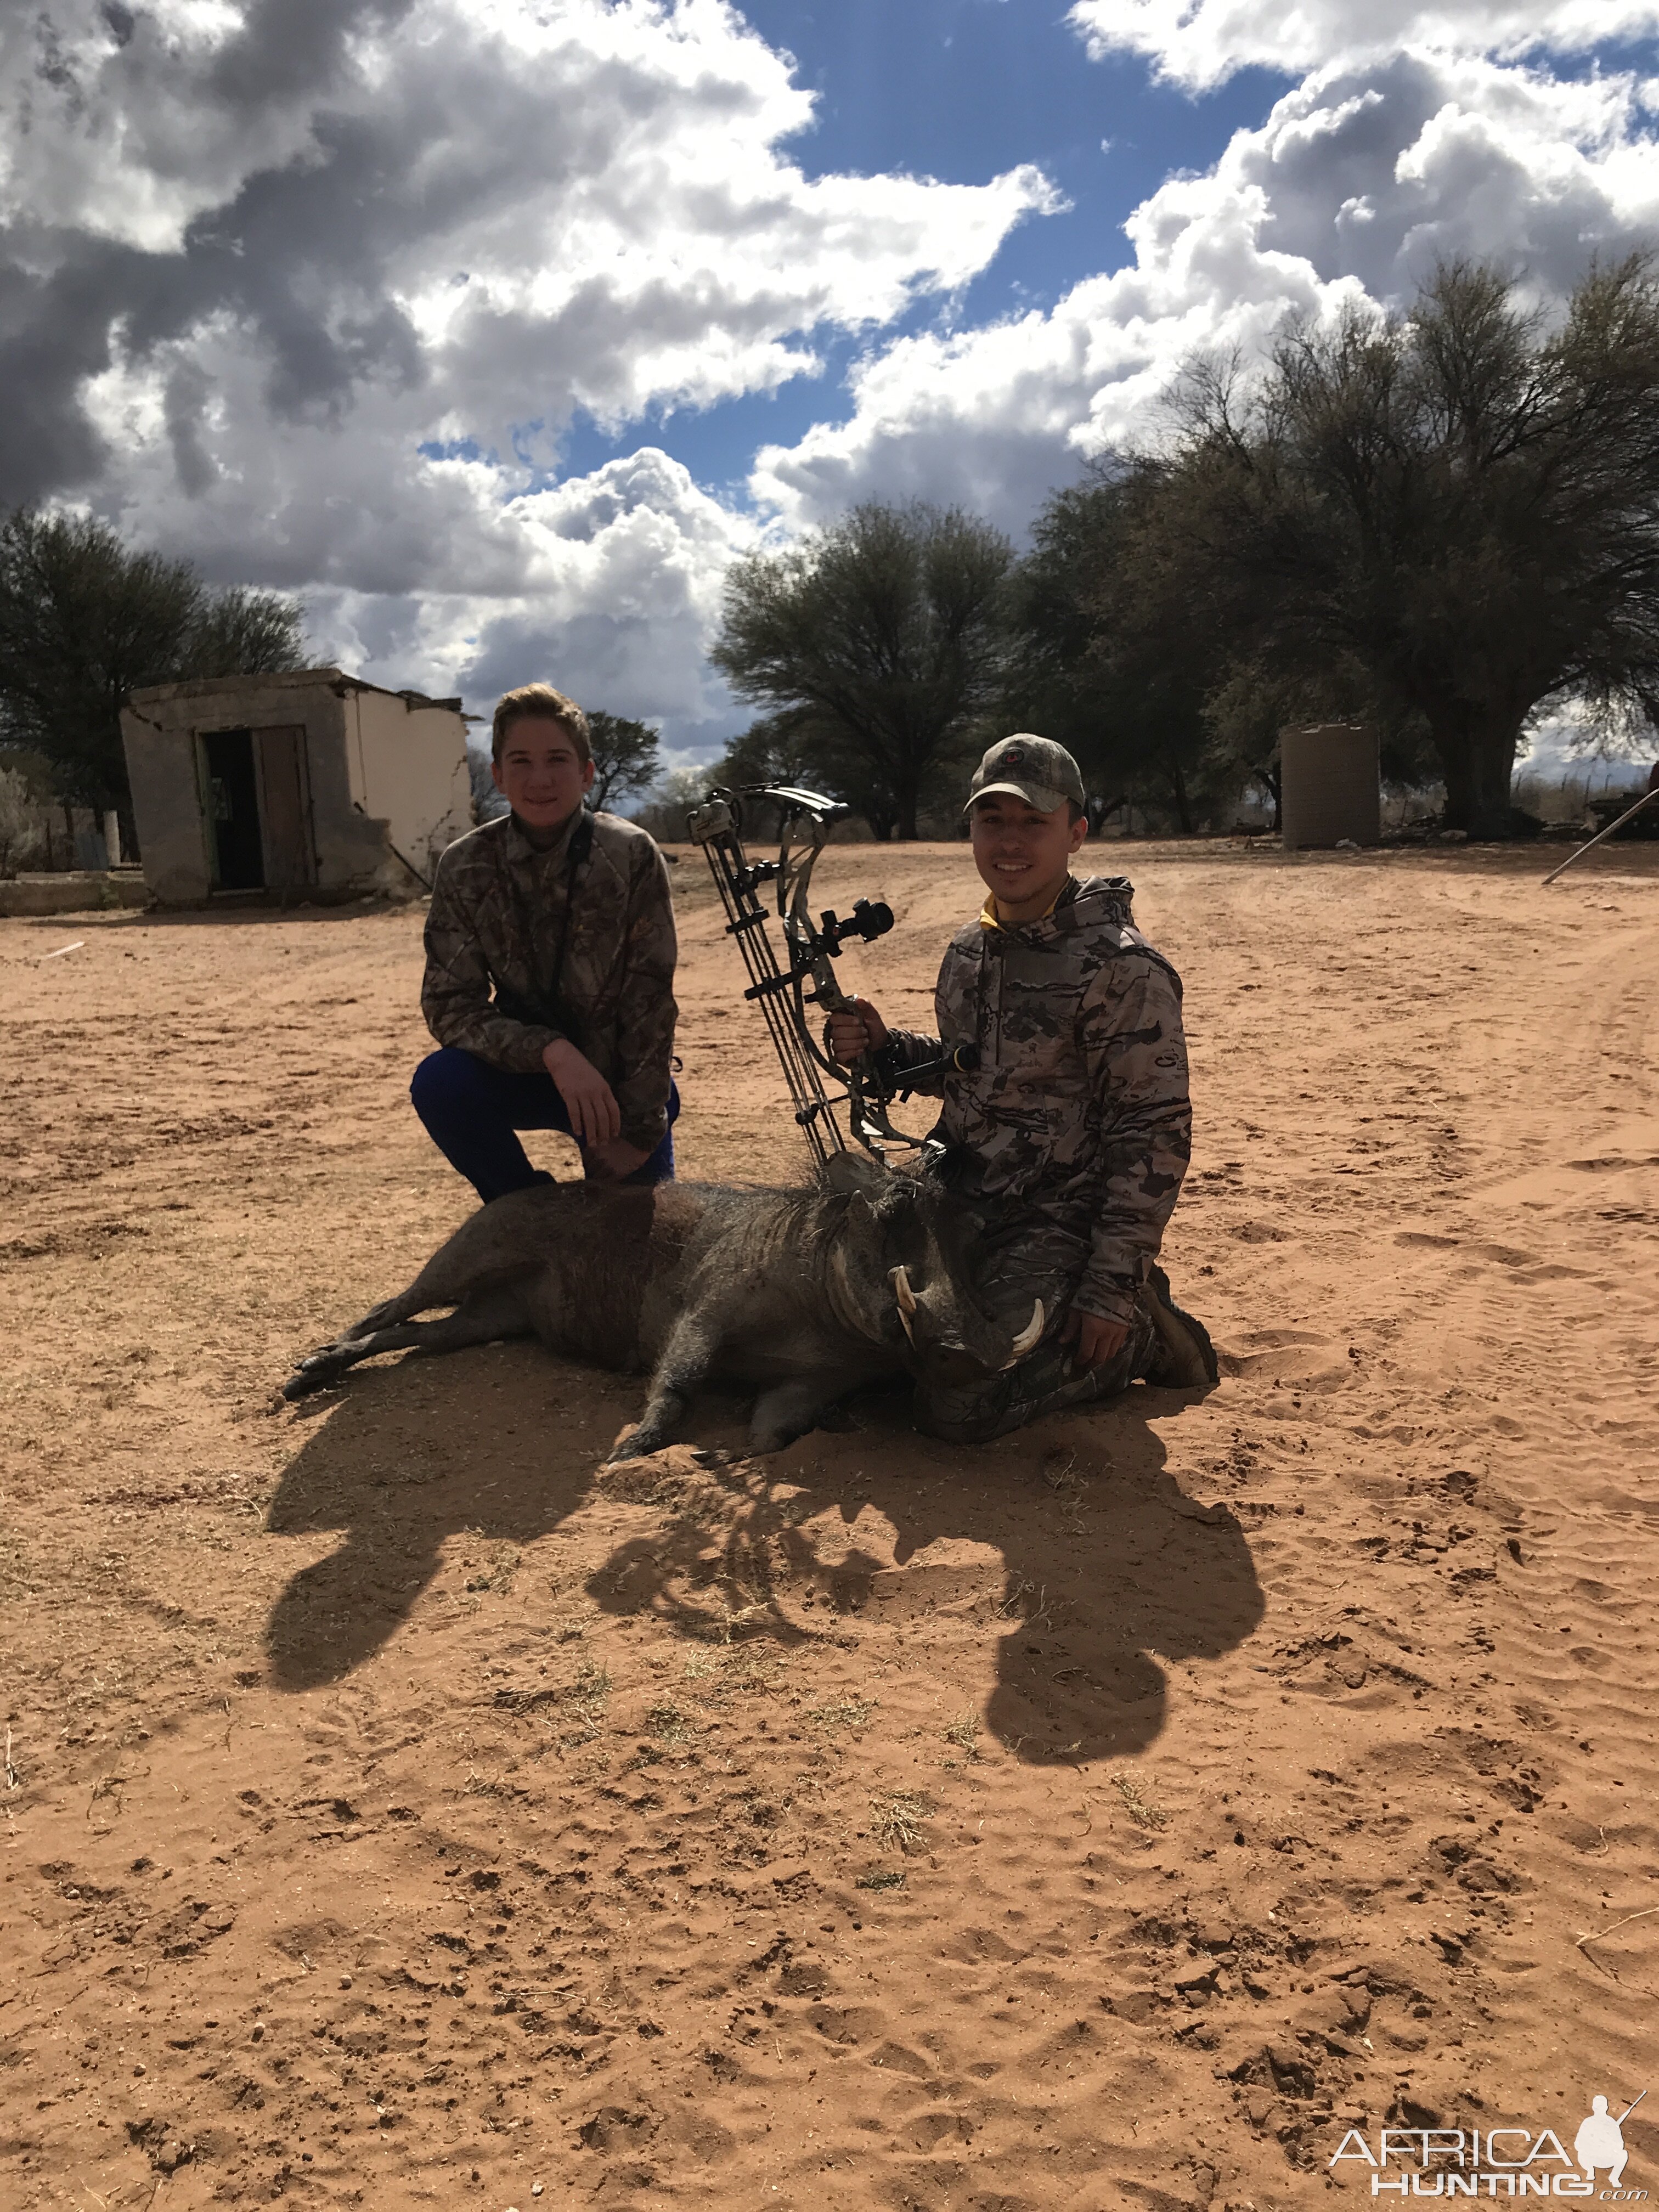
x: 308, y: 781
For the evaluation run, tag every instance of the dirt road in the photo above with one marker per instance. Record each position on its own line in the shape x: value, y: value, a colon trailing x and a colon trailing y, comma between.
x: 400, y: 1811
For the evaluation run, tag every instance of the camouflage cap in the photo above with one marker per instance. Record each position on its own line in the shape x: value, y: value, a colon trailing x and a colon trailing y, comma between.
x: 1033, y: 769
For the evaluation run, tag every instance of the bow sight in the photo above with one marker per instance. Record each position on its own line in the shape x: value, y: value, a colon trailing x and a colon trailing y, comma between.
x: 806, y: 819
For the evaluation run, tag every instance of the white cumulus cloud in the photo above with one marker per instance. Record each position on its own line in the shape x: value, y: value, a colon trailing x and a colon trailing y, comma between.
x: 1201, y: 42
x: 311, y: 290
x: 1361, y: 178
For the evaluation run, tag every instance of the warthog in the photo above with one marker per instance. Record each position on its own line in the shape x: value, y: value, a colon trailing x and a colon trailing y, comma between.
x: 802, y: 1294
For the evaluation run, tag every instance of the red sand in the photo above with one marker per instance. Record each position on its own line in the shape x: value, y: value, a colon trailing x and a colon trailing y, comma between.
x: 401, y: 1811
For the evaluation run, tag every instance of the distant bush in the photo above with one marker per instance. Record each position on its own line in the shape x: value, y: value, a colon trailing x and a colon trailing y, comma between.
x: 22, y: 837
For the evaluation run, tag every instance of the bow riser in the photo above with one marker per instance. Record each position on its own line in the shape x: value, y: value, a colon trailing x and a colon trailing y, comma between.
x: 781, y: 991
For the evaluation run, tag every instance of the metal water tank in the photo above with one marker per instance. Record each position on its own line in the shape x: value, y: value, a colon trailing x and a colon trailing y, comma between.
x: 1330, y: 786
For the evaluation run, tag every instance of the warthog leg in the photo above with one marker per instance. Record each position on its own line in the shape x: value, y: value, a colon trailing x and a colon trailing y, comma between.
x: 482, y: 1318
x: 789, y: 1409
x: 686, y: 1359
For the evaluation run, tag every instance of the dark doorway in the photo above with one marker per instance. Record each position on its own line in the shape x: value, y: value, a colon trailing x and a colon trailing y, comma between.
x: 233, y: 809
x: 285, y: 804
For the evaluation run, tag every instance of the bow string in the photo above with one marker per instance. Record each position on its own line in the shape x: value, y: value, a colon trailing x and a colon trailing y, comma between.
x: 822, y: 1090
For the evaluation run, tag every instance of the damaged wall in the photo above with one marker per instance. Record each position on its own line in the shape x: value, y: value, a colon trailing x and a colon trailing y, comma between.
x: 285, y: 783
x: 407, y: 759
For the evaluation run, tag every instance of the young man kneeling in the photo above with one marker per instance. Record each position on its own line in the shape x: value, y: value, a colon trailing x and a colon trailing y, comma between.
x: 1070, y: 1137
x: 550, y: 971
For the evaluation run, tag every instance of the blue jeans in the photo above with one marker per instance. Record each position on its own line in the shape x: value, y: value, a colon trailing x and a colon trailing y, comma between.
x: 472, y: 1112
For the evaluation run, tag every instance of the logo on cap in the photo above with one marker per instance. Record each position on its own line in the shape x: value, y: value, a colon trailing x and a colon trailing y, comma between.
x: 1014, y: 757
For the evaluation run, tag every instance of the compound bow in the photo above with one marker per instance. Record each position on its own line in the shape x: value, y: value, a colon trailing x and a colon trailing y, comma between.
x: 781, y: 992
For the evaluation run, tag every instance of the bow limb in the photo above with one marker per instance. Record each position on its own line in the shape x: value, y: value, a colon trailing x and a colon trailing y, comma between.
x: 807, y: 818
x: 806, y: 942
x: 811, y: 955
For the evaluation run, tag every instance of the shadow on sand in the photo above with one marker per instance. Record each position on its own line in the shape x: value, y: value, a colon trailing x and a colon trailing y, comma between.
x: 1070, y: 1547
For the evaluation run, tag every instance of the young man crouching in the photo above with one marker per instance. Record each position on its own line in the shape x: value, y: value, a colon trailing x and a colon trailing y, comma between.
x: 1070, y: 1137
x: 550, y: 971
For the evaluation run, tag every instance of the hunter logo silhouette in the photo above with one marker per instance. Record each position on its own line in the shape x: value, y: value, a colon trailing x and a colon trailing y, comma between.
x: 1599, y: 2141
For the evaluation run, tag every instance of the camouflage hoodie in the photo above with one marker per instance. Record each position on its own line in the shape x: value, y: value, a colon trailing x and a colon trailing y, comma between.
x: 498, y: 914
x: 1078, y: 1115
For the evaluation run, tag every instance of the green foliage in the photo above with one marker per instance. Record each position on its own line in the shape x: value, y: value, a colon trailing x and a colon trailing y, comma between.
x: 1052, y: 680
x: 85, y: 620
x: 665, y: 811
x: 796, y: 749
x: 1444, y: 520
x: 239, y: 632
x: 790, y: 748
x: 1108, y: 659
x: 627, y: 758
x: 877, y: 644
x: 1249, y: 708
x: 1441, y: 523
x: 488, y: 803
x: 1117, y: 675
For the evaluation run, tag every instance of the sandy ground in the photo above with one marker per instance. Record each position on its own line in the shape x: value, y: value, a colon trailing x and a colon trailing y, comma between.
x: 398, y: 1810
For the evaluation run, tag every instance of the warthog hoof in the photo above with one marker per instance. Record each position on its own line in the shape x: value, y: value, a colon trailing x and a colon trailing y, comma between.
x: 313, y: 1374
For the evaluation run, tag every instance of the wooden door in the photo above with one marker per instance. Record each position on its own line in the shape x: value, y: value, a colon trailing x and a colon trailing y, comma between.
x: 285, y: 808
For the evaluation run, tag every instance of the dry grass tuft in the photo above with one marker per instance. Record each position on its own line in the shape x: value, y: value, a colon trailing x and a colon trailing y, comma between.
x: 964, y: 1733
x: 1152, y: 1817
x: 496, y: 1572
x: 896, y: 1819
x: 586, y: 1700
x: 1027, y: 1603
x: 1062, y: 1477
x: 846, y: 1712
x: 735, y: 1670
x: 490, y: 1785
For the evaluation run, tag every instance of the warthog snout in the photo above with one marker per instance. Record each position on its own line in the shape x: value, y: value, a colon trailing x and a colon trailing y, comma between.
x: 909, y: 1306
x: 950, y: 1338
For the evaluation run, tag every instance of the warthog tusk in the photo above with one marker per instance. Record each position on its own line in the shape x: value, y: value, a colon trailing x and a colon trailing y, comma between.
x: 905, y: 1297
x: 1027, y: 1339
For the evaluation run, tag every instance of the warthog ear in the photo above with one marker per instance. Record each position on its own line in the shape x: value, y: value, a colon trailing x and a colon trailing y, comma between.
x: 848, y: 1173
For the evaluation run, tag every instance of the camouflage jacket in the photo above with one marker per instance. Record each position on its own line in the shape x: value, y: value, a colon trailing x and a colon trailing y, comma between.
x: 1079, y: 1110
x: 499, y: 912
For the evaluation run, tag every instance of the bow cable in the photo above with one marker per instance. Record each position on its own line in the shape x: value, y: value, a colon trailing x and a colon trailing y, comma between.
x: 782, y: 993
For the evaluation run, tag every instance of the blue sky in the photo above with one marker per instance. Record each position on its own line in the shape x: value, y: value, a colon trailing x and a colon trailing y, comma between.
x: 959, y: 90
